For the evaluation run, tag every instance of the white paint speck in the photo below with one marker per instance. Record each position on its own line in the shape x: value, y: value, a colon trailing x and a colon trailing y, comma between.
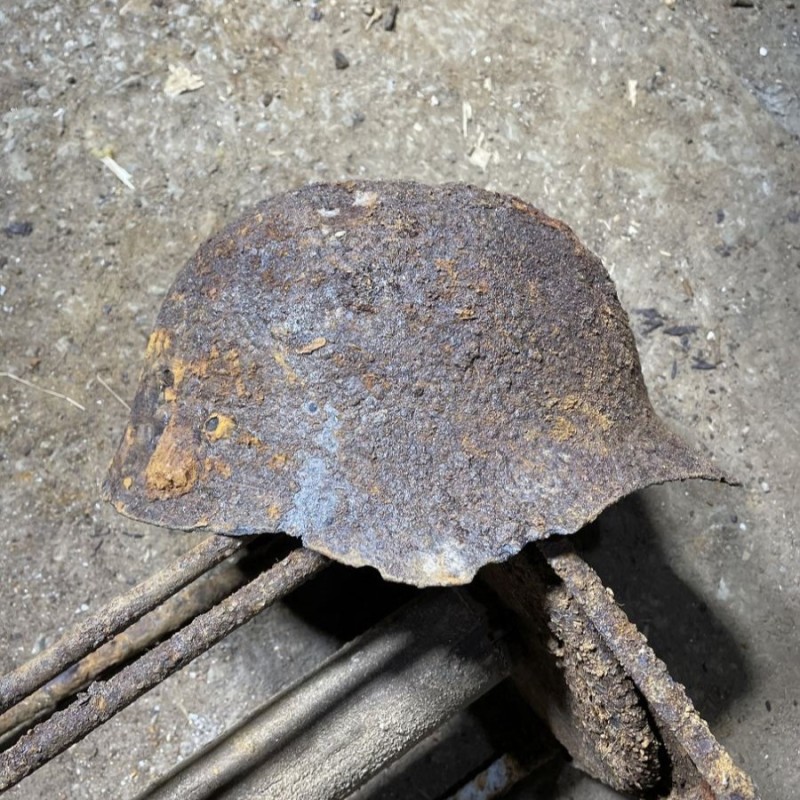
x: 723, y: 592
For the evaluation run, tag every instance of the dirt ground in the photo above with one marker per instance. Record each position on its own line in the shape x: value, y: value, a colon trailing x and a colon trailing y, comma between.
x: 665, y: 133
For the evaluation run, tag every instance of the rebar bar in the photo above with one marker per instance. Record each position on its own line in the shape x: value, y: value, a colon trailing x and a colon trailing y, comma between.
x: 667, y: 699
x: 101, y: 625
x: 359, y: 711
x: 104, y: 700
x: 153, y: 627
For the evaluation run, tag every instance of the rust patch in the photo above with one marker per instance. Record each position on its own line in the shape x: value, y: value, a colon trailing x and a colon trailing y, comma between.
x: 248, y: 440
x: 172, y: 470
x: 278, y: 461
x: 234, y: 366
x: 289, y: 373
x: 563, y: 430
x: 218, y: 426
x: 178, y: 369
x: 158, y: 343
x: 218, y: 466
x: 447, y: 265
x: 312, y: 346
x: 596, y: 418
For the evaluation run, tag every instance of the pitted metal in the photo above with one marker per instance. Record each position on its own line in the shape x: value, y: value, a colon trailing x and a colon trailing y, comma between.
x: 421, y: 379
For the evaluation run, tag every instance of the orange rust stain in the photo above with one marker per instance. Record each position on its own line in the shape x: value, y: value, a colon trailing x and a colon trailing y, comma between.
x: 180, y: 368
x: 447, y: 265
x: 465, y: 313
x: 249, y: 440
x: 312, y: 346
x: 127, y: 481
x: 278, y: 461
x: 232, y: 357
x: 563, y: 429
x: 289, y: 373
x: 224, y: 427
x: 178, y: 371
x: 158, y: 343
x: 596, y: 417
x: 217, y: 465
x: 371, y: 380
x: 273, y: 512
x: 172, y: 470
x: 570, y: 402
x: 130, y: 436
x: 479, y: 287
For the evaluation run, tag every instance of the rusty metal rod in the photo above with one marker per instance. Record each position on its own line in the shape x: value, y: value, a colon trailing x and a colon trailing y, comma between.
x: 667, y: 699
x: 358, y: 712
x: 100, y: 626
x: 196, y: 598
x: 105, y: 699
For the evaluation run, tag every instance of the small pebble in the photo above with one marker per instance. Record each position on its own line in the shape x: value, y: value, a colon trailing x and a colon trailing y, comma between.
x: 340, y: 60
x: 762, y: 51
x: 18, y: 229
x: 390, y: 18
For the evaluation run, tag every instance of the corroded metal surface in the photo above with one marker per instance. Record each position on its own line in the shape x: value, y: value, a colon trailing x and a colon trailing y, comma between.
x: 422, y: 379
x: 713, y: 774
x: 567, y: 673
x: 101, y: 625
x: 106, y: 698
x: 176, y: 611
x: 331, y: 731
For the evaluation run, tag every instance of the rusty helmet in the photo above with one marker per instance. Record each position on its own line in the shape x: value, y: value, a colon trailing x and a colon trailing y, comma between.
x: 421, y: 379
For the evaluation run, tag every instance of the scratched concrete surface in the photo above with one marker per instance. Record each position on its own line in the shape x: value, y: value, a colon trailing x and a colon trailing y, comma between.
x: 665, y: 134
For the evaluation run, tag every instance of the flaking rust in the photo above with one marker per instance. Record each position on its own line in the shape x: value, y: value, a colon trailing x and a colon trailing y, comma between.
x: 421, y: 379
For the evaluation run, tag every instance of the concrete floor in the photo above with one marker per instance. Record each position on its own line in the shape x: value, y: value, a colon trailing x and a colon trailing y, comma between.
x: 666, y: 135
